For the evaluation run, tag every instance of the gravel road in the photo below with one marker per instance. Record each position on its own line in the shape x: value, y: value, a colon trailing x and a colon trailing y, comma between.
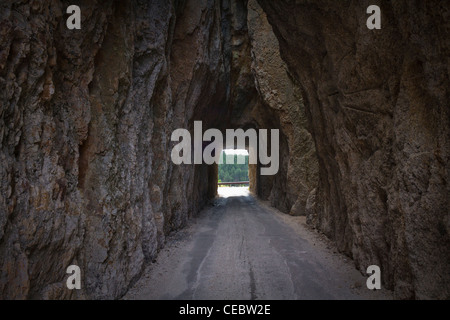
x: 240, y: 248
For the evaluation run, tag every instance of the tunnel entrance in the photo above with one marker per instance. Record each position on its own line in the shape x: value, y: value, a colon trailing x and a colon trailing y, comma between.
x: 233, y: 169
x: 233, y: 173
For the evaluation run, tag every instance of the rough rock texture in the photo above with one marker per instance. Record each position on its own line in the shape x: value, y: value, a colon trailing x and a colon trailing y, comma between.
x: 378, y: 107
x: 278, y: 93
x: 86, y: 119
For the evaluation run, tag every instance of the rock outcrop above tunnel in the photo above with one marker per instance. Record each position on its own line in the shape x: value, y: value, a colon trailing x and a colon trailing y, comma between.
x: 378, y: 108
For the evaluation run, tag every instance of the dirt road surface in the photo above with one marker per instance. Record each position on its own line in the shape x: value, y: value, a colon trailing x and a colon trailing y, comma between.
x: 240, y: 248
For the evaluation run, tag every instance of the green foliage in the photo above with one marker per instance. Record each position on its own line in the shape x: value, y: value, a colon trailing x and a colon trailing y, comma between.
x: 233, y: 172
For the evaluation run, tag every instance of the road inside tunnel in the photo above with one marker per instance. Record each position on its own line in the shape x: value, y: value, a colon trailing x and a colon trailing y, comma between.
x: 240, y: 248
x: 109, y: 132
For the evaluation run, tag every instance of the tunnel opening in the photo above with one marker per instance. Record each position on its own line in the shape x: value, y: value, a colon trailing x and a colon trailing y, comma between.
x: 233, y: 168
x: 233, y: 173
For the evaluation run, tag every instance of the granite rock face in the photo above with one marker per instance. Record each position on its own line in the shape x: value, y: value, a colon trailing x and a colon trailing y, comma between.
x: 378, y: 108
x: 86, y: 119
x: 280, y: 106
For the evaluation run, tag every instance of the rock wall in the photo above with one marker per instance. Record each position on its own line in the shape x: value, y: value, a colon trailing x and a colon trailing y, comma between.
x: 264, y: 95
x: 378, y: 107
x: 86, y: 119
x: 281, y: 106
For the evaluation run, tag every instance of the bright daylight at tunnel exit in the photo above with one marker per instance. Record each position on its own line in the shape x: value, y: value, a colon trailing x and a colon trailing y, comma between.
x: 230, y: 157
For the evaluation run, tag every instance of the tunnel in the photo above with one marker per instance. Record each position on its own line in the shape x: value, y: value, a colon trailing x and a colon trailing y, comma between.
x: 87, y: 115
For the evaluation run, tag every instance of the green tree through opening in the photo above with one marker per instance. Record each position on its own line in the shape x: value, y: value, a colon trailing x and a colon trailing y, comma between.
x: 233, y: 172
